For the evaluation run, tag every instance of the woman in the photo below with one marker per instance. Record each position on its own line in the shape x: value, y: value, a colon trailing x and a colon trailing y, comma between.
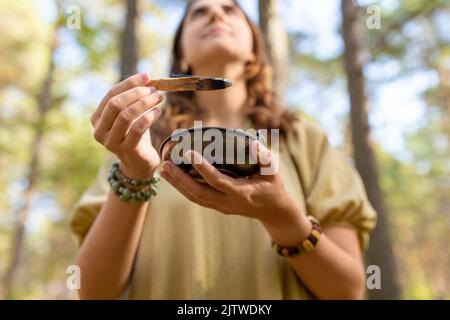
x: 213, y: 241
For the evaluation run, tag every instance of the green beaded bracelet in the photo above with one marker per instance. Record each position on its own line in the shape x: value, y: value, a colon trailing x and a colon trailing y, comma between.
x: 131, y: 190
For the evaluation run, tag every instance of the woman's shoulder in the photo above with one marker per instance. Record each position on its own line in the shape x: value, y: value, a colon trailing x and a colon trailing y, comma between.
x: 306, y: 133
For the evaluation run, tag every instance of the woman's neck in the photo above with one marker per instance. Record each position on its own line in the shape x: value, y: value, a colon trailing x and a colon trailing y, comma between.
x: 224, y: 107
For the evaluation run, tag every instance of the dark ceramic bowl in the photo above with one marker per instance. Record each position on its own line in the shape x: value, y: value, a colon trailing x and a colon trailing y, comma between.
x: 228, y: 150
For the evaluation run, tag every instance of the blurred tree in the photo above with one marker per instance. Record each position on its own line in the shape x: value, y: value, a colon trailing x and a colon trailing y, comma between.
x: 431, y: 149
x: 416, y: 39
x: 380, y: 252
x: 416, y: 187
x: 277, y: 43
x: 130, y: 45
x: 23, y: 54
x: 69, y: 157
x: 19, y: 55
x: 45, y: 101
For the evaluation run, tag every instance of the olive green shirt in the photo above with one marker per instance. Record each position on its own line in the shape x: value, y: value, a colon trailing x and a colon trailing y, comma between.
x: 190, y: 252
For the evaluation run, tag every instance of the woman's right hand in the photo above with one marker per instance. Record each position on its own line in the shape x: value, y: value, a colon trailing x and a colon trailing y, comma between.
x: 122, y: 122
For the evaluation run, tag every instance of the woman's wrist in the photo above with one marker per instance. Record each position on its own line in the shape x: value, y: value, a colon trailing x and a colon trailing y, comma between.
x: 129, y: 189
x: 288, y: 226
x: 138, y: 174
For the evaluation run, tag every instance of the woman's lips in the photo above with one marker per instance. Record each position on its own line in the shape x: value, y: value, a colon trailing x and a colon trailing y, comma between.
x: 212, y: 31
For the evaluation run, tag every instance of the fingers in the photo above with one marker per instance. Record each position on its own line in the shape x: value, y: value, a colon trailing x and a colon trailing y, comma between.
x: 118, y: 104
x: 211, y: 175
x: 125, y: 119
x: 140, y: 127
x: 140, y: 79
x: 194, y: 191
x: 182, y: 189
x: 265, y: 158
x: 262, y: 155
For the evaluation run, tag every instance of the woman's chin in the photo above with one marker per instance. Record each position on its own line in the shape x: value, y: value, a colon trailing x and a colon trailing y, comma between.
x: 219, y: 51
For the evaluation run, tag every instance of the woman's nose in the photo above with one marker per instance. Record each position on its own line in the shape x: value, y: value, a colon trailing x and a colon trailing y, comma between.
x: 217, y: 14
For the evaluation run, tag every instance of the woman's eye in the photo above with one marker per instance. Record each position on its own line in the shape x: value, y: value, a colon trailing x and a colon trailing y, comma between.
x: 229, y: 9
x: 199, y: 12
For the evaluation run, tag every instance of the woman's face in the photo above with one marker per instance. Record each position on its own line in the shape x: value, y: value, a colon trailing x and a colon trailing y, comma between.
x: 216, y: 29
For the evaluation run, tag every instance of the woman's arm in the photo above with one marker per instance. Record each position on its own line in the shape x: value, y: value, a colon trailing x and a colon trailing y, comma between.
x: 335, y: 269
x: 107, y: 254
x: 121, y: 124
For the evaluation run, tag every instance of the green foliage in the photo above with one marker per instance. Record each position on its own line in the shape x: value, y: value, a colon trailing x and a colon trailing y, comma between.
x: 23, y: 45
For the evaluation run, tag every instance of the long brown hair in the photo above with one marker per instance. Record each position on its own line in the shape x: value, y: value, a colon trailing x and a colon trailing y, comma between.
x: 262, y: 106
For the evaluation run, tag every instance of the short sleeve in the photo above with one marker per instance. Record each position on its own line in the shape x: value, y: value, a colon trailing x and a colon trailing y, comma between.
x: 333, y: 189
x: 86, y: 209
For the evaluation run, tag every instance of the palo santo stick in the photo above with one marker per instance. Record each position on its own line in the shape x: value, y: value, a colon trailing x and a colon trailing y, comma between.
x: 190, y: 84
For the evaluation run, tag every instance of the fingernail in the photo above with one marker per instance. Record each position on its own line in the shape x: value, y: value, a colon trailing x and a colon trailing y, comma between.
x: 144, y: 77
x: 152, y: 89
x: 159, y: 95
x: 166, y: 165
x: 193, y: 154
x: 156, y: 111
x: 187, y: 156
x: 197, y: 157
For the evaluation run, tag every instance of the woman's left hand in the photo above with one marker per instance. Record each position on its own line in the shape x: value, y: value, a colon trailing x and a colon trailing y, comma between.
x: 260, y: 196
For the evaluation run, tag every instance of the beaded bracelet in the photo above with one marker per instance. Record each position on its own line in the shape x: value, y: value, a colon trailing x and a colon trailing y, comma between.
x: 306, y: 246
x: 131, y: 190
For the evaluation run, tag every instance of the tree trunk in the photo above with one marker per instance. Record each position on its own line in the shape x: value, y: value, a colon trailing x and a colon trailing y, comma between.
x: 277, y: 44
x: 444, y: 88
x: 45, y: 103
x: 129, y: 54
x: 380, y: 251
